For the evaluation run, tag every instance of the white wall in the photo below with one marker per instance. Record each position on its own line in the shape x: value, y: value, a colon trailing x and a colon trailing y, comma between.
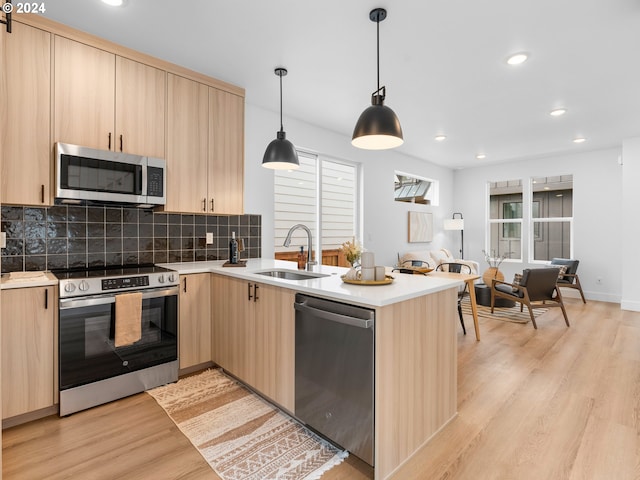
x: 630, y: 231
x: 385, y: 221
x: 598, y: 213
x: 599, y: 202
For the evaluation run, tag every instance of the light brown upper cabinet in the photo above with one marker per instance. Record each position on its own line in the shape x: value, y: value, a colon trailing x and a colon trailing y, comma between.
x: 106, y: 101
x: 205, y: 148
x: 226, y: 152
x: 187, y: 123
x: 25, y: 90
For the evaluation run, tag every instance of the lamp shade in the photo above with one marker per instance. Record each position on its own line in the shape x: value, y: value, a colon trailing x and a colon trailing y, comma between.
x: 454, y: 224
x: 378, y: 128
x: 280, y: 154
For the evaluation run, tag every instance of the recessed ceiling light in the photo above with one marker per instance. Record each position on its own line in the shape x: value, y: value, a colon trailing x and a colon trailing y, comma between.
x: 559, y: 195
x: 481, y: 156
x: 517, y: 58
x: 440, y: 138
x: 114, y: 3
x: 557, y: 112
x: 579, y: 140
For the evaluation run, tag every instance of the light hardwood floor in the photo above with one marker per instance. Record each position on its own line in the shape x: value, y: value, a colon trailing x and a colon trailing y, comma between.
x: 546, y: 404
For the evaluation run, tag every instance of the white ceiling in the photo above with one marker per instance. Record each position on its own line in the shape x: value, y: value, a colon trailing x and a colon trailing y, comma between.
x: 442, y: 61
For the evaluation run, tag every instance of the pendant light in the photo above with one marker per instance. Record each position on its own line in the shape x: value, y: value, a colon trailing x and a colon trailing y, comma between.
x: 280, y: 153
x: 378, y: 128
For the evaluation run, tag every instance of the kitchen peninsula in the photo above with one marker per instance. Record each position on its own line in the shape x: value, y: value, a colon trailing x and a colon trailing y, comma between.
x: 415, y: 366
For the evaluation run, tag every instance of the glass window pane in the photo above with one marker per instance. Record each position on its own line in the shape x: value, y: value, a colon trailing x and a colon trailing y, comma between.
x: 295, y: 201
x: 505, y: 199
x: 505, y: 203
x: 339, y: 194
x: 554, y: 240
x: 552, y: 196
x: 323, y: 195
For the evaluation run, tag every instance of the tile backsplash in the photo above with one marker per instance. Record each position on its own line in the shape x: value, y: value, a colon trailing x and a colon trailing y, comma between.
x: 61, y: 236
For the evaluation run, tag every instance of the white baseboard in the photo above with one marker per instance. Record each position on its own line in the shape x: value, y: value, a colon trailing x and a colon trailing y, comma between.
x: 597, y: 296
x: 633, y: 306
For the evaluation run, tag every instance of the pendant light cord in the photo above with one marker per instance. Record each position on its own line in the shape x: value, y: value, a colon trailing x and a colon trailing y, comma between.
x: 281, y: 125
x: 378, y: 50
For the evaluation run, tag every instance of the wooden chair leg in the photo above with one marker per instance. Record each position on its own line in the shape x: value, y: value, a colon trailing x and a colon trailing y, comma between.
x: 580, y: 289
x: 533, y: 319
x: 564, y: 312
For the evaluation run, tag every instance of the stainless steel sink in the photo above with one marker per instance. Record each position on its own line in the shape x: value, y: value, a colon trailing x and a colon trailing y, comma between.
x: 291, y: 274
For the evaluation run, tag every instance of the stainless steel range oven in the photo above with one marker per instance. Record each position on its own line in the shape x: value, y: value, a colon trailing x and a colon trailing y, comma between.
x: 92, y: 369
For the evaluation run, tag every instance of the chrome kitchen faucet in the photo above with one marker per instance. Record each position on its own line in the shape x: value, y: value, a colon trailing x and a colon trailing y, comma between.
x: 287, y: 242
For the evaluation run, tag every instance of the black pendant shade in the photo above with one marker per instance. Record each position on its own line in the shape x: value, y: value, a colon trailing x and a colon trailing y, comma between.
x: 378, y: 127
x: 280, y: 153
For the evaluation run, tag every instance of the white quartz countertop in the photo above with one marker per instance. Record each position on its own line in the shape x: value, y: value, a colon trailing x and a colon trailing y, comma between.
x: 27, y: 279
x: 404, y: 286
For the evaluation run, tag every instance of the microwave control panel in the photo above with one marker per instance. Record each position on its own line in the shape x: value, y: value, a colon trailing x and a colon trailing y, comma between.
x: 155, y: 182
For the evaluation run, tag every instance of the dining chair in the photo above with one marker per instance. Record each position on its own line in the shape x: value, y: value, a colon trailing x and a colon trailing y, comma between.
x: 453, y: 267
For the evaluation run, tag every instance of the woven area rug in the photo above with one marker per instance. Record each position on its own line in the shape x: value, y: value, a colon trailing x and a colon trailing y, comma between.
x: 239, y: 434
x: 512, y: 314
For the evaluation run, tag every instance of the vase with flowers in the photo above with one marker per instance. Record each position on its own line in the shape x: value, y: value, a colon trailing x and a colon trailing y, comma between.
x: 494, y: 261
x: 351, y: 251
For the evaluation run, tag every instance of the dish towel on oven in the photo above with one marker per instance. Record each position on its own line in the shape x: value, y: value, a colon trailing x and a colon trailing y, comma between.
x: 128, y: 318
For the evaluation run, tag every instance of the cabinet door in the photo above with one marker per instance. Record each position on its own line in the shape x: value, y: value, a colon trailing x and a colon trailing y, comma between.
x: 195, y: 319
x: 140, y: 106
x: 233, y: 326
x: 84, y: 93
x: 226, y: 150
x: 187, y: 124
x: 25, y: 89
x: 28, y: 362
x: 275, y: 344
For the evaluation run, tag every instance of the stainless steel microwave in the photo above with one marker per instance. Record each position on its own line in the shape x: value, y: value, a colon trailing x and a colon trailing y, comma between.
x: 86, y: 174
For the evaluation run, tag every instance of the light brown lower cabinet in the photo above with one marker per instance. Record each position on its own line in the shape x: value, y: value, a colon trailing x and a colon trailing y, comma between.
x: 28, y: 349
x: 253, y: 335
x: 195, y: 320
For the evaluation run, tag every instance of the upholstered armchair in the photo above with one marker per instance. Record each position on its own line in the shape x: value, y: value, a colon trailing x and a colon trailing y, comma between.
x: 569, y: 278
x: 537, y: 289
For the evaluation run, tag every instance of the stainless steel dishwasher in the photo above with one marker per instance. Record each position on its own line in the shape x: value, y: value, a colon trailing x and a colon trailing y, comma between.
x: 334, y: 372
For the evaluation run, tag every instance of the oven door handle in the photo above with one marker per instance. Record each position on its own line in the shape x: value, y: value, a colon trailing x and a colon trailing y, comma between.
x: 66, y: 303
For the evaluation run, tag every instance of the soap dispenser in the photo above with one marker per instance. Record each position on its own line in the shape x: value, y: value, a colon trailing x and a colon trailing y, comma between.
x: 302, y: 260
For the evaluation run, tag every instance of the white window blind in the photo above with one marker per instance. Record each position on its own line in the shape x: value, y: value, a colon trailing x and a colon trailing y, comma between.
x: 323, y: 195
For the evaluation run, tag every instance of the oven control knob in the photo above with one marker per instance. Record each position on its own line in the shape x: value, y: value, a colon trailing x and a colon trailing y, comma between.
x: 69, y: 287
x: 84, y: 286
x: 172, y: 277
x: 160, y: 278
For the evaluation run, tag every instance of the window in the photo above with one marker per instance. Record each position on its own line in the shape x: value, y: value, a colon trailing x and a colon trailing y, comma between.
x: 323, y: 195
x: 548, y: 210
x: 412, y: 189
x: 552, y: 217
x: 505, y: 219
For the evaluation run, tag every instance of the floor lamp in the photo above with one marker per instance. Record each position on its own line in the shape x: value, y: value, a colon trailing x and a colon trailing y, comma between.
x: 454, y: 223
